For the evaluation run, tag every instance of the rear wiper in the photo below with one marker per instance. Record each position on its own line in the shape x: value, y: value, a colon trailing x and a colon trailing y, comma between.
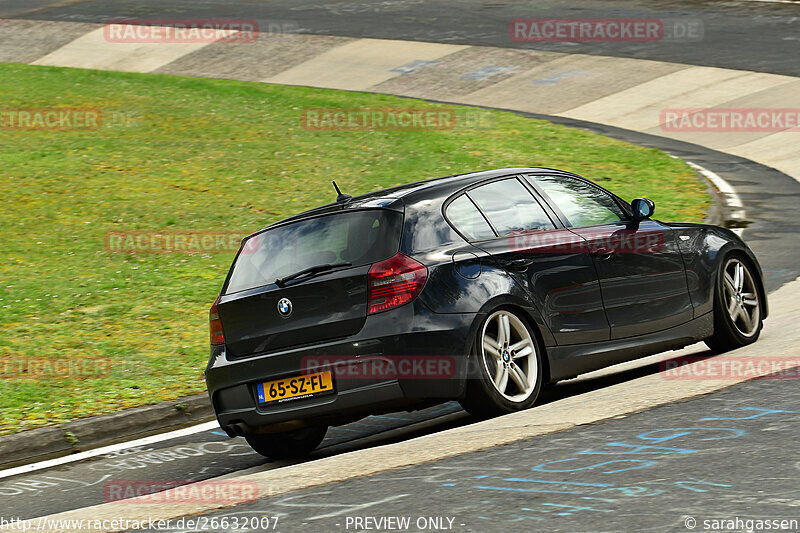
x: 310, y: 271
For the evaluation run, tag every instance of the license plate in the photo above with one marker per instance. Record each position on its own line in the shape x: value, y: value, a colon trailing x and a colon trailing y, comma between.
x: 295, y: 388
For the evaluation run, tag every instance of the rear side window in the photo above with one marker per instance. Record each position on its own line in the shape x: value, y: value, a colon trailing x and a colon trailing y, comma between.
x: 466, y: 218
x: 582, y: 203
x: 359, y: 238
x: 510, y: 207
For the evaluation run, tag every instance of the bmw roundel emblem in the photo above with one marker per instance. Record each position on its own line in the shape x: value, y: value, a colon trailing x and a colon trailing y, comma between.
x: 285, y: 307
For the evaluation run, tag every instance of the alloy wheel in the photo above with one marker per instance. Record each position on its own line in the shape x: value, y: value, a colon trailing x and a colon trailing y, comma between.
x: 509, y: 356
x: 741, y: 297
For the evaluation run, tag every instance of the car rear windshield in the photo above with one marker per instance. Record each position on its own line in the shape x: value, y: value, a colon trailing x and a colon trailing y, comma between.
x: 357, y: 237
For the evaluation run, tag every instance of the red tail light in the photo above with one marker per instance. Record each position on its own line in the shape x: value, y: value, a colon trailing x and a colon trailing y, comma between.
x: 395, y: 282
x: 215, y: 324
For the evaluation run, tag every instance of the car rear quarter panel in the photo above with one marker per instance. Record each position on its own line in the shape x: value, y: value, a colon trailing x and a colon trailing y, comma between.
x: 449, y: 290
x: 461, y: 277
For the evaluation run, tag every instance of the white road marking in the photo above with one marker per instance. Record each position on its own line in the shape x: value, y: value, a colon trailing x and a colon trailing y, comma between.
x: 730, y: 196
x: 25, y: 469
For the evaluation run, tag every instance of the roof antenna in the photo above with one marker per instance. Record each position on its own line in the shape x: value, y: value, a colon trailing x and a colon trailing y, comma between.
x: 341, y: 198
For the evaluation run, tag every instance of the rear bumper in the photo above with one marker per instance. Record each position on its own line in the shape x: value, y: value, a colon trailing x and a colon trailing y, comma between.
x: 411, y: 332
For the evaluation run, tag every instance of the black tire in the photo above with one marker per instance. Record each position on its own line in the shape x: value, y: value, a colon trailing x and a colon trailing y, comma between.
x: 483, y: 397
x: 734, y: 332
x: 293, y: 444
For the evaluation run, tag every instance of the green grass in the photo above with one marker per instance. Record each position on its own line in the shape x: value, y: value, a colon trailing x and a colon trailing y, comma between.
x: 206, y: 155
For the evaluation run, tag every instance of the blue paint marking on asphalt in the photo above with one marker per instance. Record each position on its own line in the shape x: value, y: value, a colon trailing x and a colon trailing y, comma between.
x: 586, y: 497
x: 775, y: 273
x: 413, y: 66
x: 555, y: 78
x: 686, y: 484
x: 520, y: 518
x: 624, y: 454
x: 517, y: 518
x: 558, y: 482
x: 654, y: 436
x: 640, y: 463
x: 572, y: 507
x: 637, y: 449
x: 512, y: 489
x: 487, y: 72
x: 681, y: 432
x: 763, y: 412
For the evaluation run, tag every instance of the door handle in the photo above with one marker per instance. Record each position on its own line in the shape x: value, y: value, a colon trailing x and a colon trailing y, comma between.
x: 519, y: 264
x: 603, y: 253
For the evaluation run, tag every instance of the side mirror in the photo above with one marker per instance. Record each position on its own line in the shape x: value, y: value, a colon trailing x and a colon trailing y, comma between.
x: 643, y: 208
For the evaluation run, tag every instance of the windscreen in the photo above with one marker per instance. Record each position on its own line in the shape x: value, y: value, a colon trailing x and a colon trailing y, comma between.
x: 358, y: 238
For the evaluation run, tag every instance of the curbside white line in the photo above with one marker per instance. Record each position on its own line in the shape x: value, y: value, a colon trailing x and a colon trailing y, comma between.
x: 729, y: 194
x: 26, y: 469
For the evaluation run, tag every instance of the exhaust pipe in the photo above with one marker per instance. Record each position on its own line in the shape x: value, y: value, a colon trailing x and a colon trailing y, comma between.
x: 238, y: 429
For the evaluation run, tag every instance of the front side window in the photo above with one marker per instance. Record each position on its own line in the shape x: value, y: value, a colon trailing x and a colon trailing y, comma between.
x: 582, y: 203
x: 510, y: 207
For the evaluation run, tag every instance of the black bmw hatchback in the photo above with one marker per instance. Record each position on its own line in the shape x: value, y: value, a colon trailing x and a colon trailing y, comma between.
x: 480, y: 287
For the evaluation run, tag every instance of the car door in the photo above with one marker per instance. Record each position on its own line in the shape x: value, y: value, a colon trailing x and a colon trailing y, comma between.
x: 641, y: 271
x: 546, y: 259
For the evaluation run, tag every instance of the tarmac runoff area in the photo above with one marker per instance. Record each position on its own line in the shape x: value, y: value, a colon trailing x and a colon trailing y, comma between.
x: 723, y: 462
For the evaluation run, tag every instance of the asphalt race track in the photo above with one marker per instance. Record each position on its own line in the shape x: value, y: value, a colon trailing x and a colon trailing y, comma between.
x: 741, y: 34
x: 707, y: 454
x: 195, y: 458
x: 657, y: 470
